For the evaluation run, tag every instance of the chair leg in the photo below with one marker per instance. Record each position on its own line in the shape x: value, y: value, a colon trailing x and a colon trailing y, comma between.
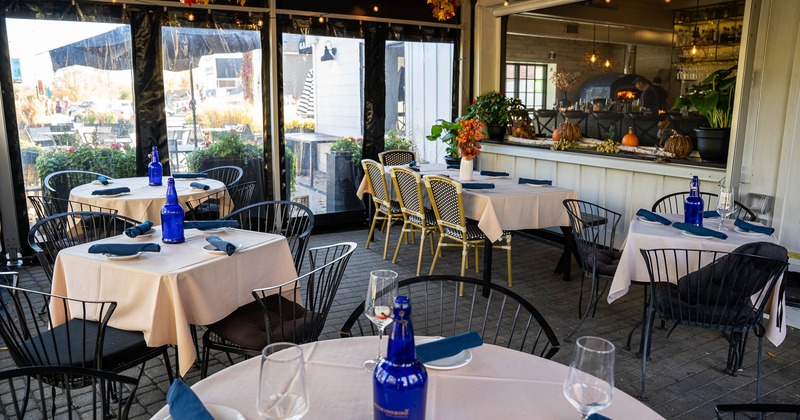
x: 371, y: 230
x: 421, y: 248
x: 477, y: 261
x: 758, y: 369
x: 168, y: 365
x: 464, y: 258
x: 508, y: 251
x: 399, y: 242
x: 645, y: 305
x: 436, y: 255
x: 592, y: 301
x: 646, y: 339
x: 386, y: 241
x: 206, y: 355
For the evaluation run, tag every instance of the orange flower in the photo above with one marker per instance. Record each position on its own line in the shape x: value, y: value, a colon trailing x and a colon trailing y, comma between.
x: 469, y: 135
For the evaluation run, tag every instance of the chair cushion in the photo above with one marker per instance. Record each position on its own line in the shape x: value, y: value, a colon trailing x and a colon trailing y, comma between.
x: 51, y: 348
x: 670, y: 307
x: 288, y: 321
x: 430, y: 218
x: 605, y: 261
x: 395, y: 207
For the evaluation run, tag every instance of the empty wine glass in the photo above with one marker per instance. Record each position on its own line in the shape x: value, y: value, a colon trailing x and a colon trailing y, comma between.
x: 381, y: 293
x: 282, y: 393
x: 589, y: 385
x: 724, y: 205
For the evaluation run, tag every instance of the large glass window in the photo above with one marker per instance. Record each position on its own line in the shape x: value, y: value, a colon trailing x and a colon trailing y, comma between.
x: 527, y: 82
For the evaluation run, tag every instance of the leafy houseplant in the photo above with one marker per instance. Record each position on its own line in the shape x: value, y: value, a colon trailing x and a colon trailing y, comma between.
x: 228, y: 145
x: 496, y: 111
x: 447, y: 132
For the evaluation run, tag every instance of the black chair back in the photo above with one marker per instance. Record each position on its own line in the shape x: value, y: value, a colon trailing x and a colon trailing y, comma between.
x: 59, y: 184
x: 228, y: 175
x: 594, y: 230
x: 673, y: 203
x: 220, y: 203
x: 48, y: 206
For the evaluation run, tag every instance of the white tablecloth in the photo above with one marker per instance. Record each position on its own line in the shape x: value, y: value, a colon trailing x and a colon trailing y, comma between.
x: 497, y: 384
x: 143, y: 202
x: 652, y: 236
x: 161, y: 294
x: 508, y: 206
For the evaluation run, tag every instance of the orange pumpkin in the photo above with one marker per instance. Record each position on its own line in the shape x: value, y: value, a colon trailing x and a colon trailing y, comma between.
x: 555, y: 134
x: 630, y: 139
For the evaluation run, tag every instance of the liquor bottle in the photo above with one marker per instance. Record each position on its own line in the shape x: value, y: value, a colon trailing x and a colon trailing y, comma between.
x: 154, y: 169
x: 693, y: 205
x: 400, y: 381
x: 172, y: 217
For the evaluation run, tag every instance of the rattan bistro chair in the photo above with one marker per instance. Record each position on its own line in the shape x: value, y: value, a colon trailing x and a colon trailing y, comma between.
x: 386, y: 209
x: 59, y: 184
x: 396, y: 157
x: 448, y: 206
x: 502, y: 318
x: 416, y: 217
x: 673, y: 203
x: 228, y: 175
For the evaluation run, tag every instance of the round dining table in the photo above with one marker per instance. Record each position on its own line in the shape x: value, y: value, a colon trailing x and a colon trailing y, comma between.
x: 143, y: 202
x: 496, y: 383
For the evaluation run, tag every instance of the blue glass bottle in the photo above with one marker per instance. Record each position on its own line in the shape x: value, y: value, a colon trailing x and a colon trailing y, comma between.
x: 172, y: 217
x: 154, y: 170
x: 400, y: 381
x: 693, y: 205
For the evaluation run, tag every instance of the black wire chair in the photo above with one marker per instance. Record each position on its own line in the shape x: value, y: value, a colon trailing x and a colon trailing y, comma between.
x: 396, y: 157
x: 292, y: 220
x: 752, y: 411
x: 59, y: 184
x: 228, y: 175
x: 220, y: 203
x: 294, y: 311
x: 673, y: 203
x: 503, y: 318
x: 721, y: 291
x: 49, y: 206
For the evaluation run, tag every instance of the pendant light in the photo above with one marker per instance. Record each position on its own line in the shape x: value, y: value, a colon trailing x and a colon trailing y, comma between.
x: 608, y: 63
x: 593, y: 58
x: 695, y: 31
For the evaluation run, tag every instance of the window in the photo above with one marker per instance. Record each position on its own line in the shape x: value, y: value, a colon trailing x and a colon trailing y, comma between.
x: 528, y: 82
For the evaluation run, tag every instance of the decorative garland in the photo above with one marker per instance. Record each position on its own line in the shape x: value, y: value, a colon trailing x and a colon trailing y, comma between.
x: 444, y: 9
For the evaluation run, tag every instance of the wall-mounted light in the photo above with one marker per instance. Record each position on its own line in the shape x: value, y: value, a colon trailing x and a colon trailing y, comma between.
x: 552, y: 55
x: 329, y: 52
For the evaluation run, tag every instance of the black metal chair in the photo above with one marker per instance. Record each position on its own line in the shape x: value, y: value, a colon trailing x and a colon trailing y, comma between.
x: 49, y: 206
x: 594, y: 229
x: 294, y: 311
x: 673, y: 203
x: 292, y: 220
x: 228, y: 175
x: 220, y: 203
x: 721, y: 291
x: 502, y: 318
x: 59, y: 184
x: 646, y: 127
x: 577, y: 117
x: 605, y: 121
x: 546, y: 121
x: 52, y: 234
x: 753, y: 411
x: 386, y: 209
x: 416, y: 217
x: 396, y: 157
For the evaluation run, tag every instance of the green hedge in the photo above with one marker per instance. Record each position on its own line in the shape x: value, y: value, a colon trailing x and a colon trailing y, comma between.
x: 118, y: 161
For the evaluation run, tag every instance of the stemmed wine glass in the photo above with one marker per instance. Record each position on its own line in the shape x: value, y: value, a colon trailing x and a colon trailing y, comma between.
x: 590, y: 382
x: 724, y: 204
x: 378, y: 305
x: 282, y: 393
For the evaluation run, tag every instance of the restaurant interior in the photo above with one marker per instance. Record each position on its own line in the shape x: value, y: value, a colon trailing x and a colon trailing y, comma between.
x: 198, y: 194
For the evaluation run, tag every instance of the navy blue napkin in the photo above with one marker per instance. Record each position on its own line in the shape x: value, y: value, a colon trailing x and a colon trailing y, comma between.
x: 535, y: 181
x: 191, y: 175
x: 199, y: 186
x: 477, y: 185
x: 447, y: 347
x: 124, y: 249
x: 103, y: 180
x: 184, y: 404
x: 415, y: 169
x: 111, y: 191
x: 653, y: 217
x: 494, y: 173
x: 699, y: 230
x: 221, y: 244
x: 710, y: 214
x: 139, y: 229
x: 209, y: 224
x: 597, y: 416
x: 741, y: 224
x: 412, y: 164
x: 454, y: 166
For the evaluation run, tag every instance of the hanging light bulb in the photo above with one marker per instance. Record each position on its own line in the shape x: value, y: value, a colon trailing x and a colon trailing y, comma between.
x: 593, y: 58
x: 607, y: 64
x: 190, y: 16
x: 375, y: 8
x: 693, y: 51
x: 321, y: 19
x: 505, y: 3
x: 260, y: 23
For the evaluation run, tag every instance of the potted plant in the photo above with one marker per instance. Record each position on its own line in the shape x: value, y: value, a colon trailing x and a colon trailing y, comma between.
x: 230, y: 150
x: 343, y: 169
x: 447, y: 132
x: 564, y: 81
x: 713, y: 99
x: 496, y: 111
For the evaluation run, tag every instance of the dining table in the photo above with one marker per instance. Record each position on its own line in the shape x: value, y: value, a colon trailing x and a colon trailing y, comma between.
x: 495, y: 382
x: 644, y: 234
x: 164, y: 293
x: 144, y: 202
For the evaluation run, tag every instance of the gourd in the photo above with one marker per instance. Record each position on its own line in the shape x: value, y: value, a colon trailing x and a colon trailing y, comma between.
x: 522, y: 129
x: 568, y: 134
x: 555, y: 134
x: 678, y: 145
x: 630, y: 139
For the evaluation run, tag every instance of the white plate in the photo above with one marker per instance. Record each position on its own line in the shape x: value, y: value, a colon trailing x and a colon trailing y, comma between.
x: 96, y: 182
x: 147, y: 234
x: 448, y: 363
x: 123, y: 257
x: 536, y: 185
x: 113, y: 195
x: 652, y: 222
x: 188, y: 179
x: 200, y: 189
x: 498, y: 177
x: 211, y: 249
x: 220, y: 412
x: 741, y: 231
x: 692, y: 235
x: 214, y: 230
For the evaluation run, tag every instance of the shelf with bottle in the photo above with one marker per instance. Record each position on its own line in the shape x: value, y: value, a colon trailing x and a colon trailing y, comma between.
x: 714, y: 53
x: 716, y: 12
x: 712, y: 35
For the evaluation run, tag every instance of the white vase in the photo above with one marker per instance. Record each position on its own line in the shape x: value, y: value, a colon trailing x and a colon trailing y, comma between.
x: 465, y: 172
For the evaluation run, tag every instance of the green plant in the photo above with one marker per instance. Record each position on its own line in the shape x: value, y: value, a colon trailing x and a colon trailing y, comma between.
x: 394, y: 141
x: 447, y: 132
x: 228, y: 144
x: 291, y: 168
x: 349, y: 144
x: 494, y: 108
x: 713, y: 97
x: 116, y: 160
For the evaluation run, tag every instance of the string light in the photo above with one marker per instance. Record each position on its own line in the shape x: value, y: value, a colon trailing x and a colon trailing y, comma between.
x: 321, y: 19
x: 190, y: 17
x: 375, y: 8
x: 505, y: 3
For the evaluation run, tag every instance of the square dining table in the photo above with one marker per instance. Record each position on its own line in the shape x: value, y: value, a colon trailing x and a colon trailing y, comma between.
x: 163, y: 293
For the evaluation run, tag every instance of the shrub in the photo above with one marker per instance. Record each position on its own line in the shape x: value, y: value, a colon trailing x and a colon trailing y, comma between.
x: 116, y: 160
x: 228, y: 144
x: 394, y: 141
x: 349, y: 144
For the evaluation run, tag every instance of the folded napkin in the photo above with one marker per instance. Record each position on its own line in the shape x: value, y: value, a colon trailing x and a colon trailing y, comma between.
x: 653, y: 217
x: 124, y: 249
x: 209, y: 224
x: 103, y: 180
x: 494, y: 173
x: 191, y: 175
x: 447, y: 347
x: 535, y: 181
x: 139, y: 229
x: 184, y: 404
x: 741, y: 224
x: 412, y: 164
x: 597, y: 416
x: 477, y: 185
x: 221, y: 244
x: 454, y: 166
x: 415, y: 169
x: 710, y: 214
x: 111, y: 191
x: 699, y: 230
x: 199, y: 186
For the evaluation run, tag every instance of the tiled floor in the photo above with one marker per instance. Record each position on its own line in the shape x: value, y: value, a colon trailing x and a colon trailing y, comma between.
x: 685, y: 378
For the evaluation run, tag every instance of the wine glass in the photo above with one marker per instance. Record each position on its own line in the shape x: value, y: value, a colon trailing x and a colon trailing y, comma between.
x: 590, y: 382
x: 724, y: 205
x: 282, y: 393
x: 378, y: 305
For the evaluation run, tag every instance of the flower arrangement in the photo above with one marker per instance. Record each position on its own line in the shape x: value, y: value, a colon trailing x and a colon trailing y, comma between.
x: 470, y: 133
x: 444, y: 9
x: 494, y: 108
x: 565, y: 80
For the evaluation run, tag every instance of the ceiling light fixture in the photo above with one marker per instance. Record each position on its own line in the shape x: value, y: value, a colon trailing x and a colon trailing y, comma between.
x: 695, y: 32
x: 321, y: 19
x: 593, y: 58
x: 375, y: 8
x: 505, y: 3
x: 609, y: 63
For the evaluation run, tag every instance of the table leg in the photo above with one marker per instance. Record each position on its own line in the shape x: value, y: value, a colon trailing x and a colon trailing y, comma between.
x: 564, y: 265
x: 313, y: 158
x: 487, y: 264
